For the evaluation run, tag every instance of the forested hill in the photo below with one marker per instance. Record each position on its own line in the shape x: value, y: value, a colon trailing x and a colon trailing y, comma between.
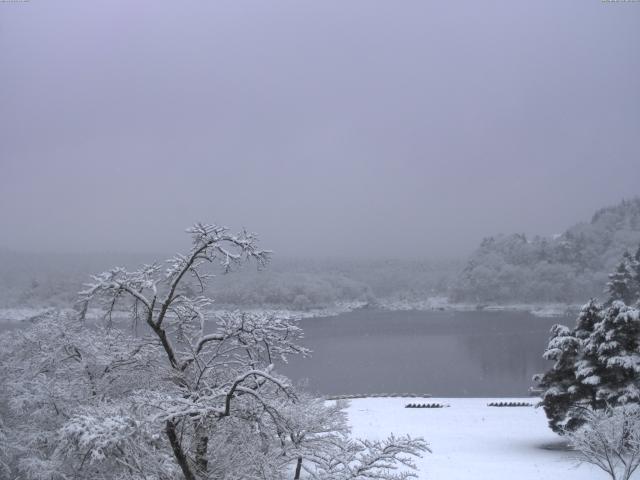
x: 570, y: 267
x: 53, y: 280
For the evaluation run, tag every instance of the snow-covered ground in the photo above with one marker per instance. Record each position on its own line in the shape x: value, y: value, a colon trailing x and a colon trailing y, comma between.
x: 19, y: 314
x: 332, y: 311
x: 23, y: 314
x: 473, y: 441
x: 443, y: 303
x: 428, y: 304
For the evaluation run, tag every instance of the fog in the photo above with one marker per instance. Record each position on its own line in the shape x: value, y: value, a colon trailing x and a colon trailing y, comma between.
x: 451, y: 193
x: 386, y: 129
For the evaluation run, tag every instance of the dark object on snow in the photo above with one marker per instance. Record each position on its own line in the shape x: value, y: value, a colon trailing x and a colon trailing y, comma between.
x: 509, y: 404
x: 424, y: 405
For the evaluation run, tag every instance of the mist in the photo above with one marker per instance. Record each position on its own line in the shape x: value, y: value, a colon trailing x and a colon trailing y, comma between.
x: 352, y: 129
x: 447, y: 207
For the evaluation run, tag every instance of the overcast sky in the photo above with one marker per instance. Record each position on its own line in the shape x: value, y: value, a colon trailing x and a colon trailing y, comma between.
x: 368, y: 128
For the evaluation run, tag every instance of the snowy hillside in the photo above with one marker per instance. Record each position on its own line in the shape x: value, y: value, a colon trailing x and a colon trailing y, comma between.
x: 562, y: 268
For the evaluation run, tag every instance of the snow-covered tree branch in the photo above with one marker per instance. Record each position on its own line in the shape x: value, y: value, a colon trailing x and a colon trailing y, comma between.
x: 610, y: 439
x: 189, y: 394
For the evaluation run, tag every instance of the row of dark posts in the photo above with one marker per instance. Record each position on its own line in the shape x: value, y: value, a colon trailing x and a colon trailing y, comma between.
x: 509, y: 404
x: 424, y: 405
x: 492, y: 404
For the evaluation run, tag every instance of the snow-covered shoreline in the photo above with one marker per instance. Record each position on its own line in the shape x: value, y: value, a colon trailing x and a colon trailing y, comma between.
x: 443, y: 304
x: 429, y: 304
x: 18, y: 314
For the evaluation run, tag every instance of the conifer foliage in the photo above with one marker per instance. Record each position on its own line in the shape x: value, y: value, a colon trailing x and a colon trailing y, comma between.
x: 624, y: 283
x: 597, y: 363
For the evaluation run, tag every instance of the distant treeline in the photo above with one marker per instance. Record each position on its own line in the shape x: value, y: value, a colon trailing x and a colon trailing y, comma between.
x: 504, y: 269
x: 567, y: 268
x: 43, y: 280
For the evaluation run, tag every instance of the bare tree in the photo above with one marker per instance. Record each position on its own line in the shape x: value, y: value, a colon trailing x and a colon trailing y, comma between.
x: 224, y: 410
x: 610, y: 439
x: 215, y: 373
x: 197, y: 395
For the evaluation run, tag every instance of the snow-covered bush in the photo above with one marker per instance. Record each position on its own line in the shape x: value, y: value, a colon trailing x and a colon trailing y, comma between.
x: 610, y: 439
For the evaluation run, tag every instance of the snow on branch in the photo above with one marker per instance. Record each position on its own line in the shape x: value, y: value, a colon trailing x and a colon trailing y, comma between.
x: 119, y: 281
x: 205, y: 383
x: 380, y: 459
x: 215, y: 242
x: 284, y: 387
x: 610, y: 440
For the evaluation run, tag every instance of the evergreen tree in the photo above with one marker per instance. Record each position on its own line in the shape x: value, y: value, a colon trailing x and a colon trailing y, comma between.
x: 613, y: 352
x: 622, y: 284
x: 586, y: 366
x: 560, y: 381
x: 635, y: 273
x: 597, y: 364
x: 590, y: 315
x: 564, y: 394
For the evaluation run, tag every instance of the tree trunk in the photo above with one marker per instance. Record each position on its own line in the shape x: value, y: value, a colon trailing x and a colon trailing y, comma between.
x: 178, y: 453
x: 202, y: 442
x: 298, y: 469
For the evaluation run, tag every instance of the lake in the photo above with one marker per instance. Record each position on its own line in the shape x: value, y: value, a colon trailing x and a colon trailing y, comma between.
x: 445, y: 354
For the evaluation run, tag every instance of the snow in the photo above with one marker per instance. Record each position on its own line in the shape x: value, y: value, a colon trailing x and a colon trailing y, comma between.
x: 337, y: 309
x: 8, y: 315
x: 471, y: 440
x: 443, y: 303
x: 592, y: 380
x: 436, y: 303
x: 627, y: 361
x: 25, y: 314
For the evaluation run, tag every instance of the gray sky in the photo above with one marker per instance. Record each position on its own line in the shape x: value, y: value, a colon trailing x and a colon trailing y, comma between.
x: 364, y: 128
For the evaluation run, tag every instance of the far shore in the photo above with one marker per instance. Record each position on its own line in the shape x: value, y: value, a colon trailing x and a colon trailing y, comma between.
x: 18, y: 314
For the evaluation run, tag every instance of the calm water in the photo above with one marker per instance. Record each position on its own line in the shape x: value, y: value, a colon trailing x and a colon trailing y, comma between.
x: 453, y: 354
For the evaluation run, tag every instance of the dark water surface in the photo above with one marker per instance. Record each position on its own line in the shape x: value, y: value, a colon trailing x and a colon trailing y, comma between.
x: 454, y: 354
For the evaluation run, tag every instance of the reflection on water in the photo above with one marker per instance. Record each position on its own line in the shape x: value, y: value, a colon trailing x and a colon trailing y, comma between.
x: 441, y: 353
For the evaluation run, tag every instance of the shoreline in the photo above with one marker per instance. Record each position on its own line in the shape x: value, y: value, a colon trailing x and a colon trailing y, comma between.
x: 435, y: 304
x: 432, y: 304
